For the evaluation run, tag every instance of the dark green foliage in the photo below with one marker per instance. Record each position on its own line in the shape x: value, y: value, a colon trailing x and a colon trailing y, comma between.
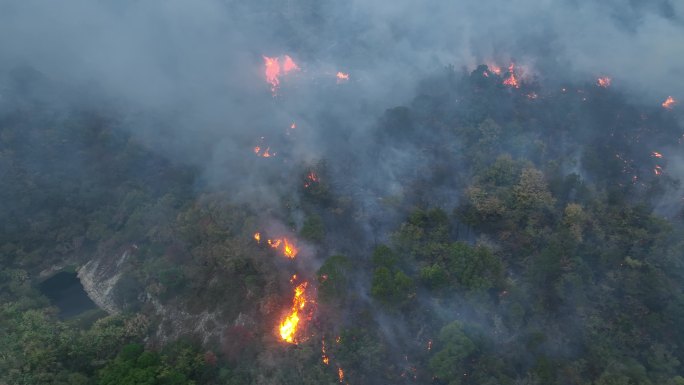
x: 135, y: 366
x: 423, y: 235
x: 434, y: 276
x: 334, y: 277
x: 474, y: 268
x: 390, y: 284
x: 384, y: 256
x: 313, y: 229
x: 453, y: 348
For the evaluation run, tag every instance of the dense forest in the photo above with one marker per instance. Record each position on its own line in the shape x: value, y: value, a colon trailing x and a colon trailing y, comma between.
x: 536, y: 239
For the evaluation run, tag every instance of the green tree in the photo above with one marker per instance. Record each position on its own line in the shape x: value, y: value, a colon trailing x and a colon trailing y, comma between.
x: 454, y: 347
x: 333, y: 277
x: 474, y: 268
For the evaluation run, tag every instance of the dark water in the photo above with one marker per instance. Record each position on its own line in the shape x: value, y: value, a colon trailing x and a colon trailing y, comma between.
x: 66, y: 292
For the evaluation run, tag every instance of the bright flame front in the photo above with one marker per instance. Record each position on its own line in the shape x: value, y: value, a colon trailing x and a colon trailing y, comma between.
x: 273, y: 70
x: 289, y: 325
x: 669, y: 102
x: 289, y: 64
x: 493, y: 68
x: 289, y: 249
x: 511, y: 80
x: 324, y: 355
x: 263, y: 152
x: 603, y: 82
x: 342, y: 77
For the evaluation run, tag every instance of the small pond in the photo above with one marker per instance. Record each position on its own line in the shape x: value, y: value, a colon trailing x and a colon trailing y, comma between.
x: 65, y: 291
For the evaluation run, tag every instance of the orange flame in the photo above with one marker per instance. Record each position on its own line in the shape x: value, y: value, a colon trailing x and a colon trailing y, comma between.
x: 289, y: 249
x: 669, y: 102
x: 495, y: 69
x: 340, y: 374
x: 324, y: 356
x: 511, y: 80
x: 311, y: 178
x: 342, y: 77
x: 603, y: 82
x: 267, y: 153
x: 658, y: 170
x: 656, y: 154
x: 273, y: 70
x: 274, y: 244
x: 263, y: 152
x: 289, y: 325
x: 289, y: 65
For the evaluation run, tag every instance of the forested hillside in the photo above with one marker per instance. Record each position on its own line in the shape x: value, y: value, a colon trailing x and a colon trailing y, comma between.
x: 536, y: 238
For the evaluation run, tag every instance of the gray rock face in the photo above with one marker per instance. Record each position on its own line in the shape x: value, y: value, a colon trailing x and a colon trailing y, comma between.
x: 99, y: 277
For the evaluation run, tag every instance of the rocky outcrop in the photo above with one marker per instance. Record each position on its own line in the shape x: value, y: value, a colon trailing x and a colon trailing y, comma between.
x: 99, y: 277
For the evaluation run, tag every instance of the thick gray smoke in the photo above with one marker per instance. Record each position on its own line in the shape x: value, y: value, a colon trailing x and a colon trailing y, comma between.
x: 187, y: 77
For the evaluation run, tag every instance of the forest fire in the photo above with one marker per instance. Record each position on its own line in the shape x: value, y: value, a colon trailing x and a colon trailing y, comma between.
x: 288, y: 248
x: 656, y: 154
x: 669, y: 103
x: 311, y: 178
x: 603, y: 82
x: 263, y: 152
x: 340, y: 374
x: 493, y: 68
x: 657, y: 170
x: 273, y: 70
x: 289, y: 326
x: 342, y: 77
x: 511, y: 80
x: 289, y: 64
x: 324, y: 355
x: 274, y: 244
x: 257, y: 237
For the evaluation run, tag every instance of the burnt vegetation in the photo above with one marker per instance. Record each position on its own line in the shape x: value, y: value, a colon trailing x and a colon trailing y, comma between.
x: 524, y: 247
